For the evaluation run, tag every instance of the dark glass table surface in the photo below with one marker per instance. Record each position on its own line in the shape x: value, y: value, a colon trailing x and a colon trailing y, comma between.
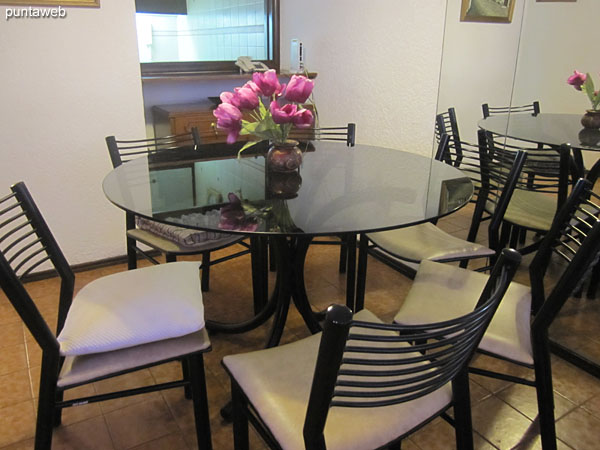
x: 550, y: 129
x: 337, y: 190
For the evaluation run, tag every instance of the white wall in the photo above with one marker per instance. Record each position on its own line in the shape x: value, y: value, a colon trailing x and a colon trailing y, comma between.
x: 478, y: 66
x: 378, y: 64
x: 66, y: 84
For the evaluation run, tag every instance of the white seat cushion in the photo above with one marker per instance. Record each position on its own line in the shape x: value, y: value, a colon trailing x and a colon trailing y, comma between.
x: 85, y: 368
x: 133, y: 308
x: 440, y: 292
x: 277, y: 381
x: 427, y: 241
x: 530, y: 209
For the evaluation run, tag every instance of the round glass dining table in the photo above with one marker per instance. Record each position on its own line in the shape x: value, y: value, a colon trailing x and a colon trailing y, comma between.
x: 337, y: 191
x: 549, y: 129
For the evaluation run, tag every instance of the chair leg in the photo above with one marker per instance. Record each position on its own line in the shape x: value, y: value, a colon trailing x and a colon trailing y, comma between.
x: 57, y: 419
x: 205, y: 271
x: 343, y: 255
x: 260, y: 280
x: 131, y: 254
x: 170, y: 257
x: 594, y: 278
x: 185, y: 372
x: 545, y: 395
x: 46, y: 402
x: 200, y: 400
x: 240, y: 420
x: 462, y: 411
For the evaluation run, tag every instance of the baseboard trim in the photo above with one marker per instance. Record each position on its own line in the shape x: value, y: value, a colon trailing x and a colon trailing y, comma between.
x: 91, y: 265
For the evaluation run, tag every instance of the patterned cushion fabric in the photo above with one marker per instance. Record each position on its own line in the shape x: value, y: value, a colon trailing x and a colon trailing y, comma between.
x: 133, y: 308
x: 183, y: 236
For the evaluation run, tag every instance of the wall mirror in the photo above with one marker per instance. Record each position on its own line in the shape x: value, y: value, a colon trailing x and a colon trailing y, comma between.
x: 514, y: 64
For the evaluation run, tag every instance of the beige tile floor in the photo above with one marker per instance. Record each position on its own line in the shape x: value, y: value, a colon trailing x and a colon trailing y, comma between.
x: 503, y: 413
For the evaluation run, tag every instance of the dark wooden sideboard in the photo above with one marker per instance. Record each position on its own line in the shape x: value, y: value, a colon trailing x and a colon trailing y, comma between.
x: 180, y: 118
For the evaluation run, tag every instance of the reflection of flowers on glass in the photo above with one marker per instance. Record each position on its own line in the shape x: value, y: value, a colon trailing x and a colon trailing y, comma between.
x: 234, y: 217
x: 583, y: 82
x: 243, y: 215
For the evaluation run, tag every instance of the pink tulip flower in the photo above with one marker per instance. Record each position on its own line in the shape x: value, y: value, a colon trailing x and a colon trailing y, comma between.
x: 303, y: 118
x: 267, y: 82
x: 229, y: 97
x: 229, y: 118
x: 246, y: 98
x: 298, y: 89
x: 284, y: 114
x: 577, y: 79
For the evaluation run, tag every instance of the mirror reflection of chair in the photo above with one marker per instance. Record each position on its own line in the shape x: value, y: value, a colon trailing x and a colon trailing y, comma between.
x: 345, y: 134
x: 446, y: 123
x: 518, y: 332
x: 161, y: 237
x: 361, y: 383
x: 524, y: 203
x: 101, y: 332
x: 404, y: 248
x: 533, y: 108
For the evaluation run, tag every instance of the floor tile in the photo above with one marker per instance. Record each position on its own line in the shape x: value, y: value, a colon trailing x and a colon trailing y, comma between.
x: 499, y: 423
x: 439, y: 435
x: 140, y: 423
x: 12, y: 359
x: 579, y: 429
x: 14, y: 388
x: 91, y: 434
x: 524, y: 399
x: 18, y: 423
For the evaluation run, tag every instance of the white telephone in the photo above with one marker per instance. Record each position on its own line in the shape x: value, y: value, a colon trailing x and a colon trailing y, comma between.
x: 246, y: 64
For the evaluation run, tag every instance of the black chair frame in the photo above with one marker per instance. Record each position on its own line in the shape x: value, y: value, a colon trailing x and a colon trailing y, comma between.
x: 501, y: 174
x: 26, y: 243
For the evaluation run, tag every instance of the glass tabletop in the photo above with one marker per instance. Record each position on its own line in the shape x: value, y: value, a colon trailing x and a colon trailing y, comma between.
x: 550, y: 129
x: 336, y: 190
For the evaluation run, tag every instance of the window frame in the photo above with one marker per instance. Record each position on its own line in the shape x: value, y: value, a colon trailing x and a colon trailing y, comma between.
x: 177, y: 68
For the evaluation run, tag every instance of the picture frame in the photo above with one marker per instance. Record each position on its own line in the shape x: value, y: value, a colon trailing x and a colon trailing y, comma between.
x: 63, y: 3
x: 557, y: 1
x: 495, y: 11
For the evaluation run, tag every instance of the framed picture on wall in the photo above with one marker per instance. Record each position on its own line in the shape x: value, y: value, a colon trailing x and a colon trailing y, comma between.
x: 562, y: 1
x: 487, y: 10
x: 90, y: 3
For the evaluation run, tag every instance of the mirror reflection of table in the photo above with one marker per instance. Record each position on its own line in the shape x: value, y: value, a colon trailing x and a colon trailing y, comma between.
x: 549, y: 129
x: 570, y: 333
x: 338, y: 191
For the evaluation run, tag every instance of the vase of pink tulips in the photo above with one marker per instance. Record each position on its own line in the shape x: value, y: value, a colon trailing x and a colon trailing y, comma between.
x: 583, y: 82
x: 268, y: 110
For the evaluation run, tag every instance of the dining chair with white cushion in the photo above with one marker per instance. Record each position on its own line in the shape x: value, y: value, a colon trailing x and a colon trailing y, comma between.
x: 361, y: 383
x: 114, y: 325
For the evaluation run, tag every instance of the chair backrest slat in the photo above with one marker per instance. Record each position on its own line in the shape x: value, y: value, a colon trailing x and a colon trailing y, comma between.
x: 342, y: 134
x: 25, y: 245
x: 575, y: 239
x: 124, y: 150
x: 533, y: 108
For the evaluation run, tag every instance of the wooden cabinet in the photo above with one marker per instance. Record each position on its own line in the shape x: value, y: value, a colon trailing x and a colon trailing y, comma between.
x: 180, y: 118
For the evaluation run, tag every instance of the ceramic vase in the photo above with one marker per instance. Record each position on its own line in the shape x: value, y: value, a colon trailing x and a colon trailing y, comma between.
x: 284, y: 157
x: 591, y: 119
